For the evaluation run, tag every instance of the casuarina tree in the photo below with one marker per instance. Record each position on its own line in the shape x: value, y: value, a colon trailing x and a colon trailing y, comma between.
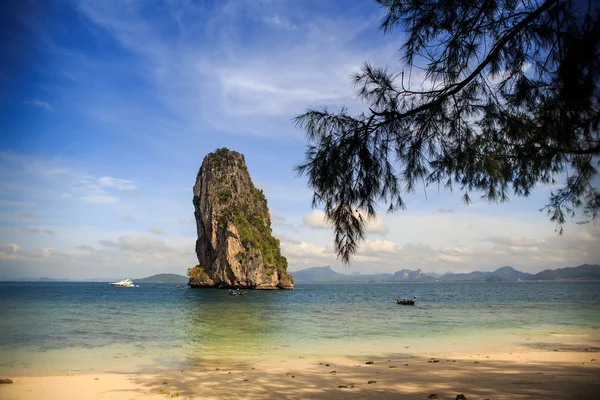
x: 507, y: 98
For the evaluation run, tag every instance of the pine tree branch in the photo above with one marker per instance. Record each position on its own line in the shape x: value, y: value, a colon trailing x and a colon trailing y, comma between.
x: 492, y: 55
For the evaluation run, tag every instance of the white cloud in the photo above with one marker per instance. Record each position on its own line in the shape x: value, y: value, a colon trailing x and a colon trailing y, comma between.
x: 304, y: 255
x: 375, y: 225
x: 316, y: 219
x: 304, y: 249
x: 377, y: 247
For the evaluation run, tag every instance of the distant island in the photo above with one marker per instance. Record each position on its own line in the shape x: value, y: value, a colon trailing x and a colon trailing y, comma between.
x: 327, y: 275
x: 163, y: 278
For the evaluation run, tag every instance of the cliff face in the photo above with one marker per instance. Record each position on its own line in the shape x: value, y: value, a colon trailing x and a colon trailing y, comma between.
x: 408, y: 275
x: 235, y: 246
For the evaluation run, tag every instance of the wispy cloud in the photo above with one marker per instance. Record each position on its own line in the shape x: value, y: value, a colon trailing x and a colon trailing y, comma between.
x: 7, y: 203
x: 38, y: 231
x: 105, y: 189
x: 136, y: 243
x: 100, y: 199
x: 119, y: 184
x: 28, y: 216
x: 309, y: 63
x: 155, y: 230
x: 40, y: 104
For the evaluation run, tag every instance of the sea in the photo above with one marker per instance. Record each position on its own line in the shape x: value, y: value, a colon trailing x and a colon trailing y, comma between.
x: 67, y: 327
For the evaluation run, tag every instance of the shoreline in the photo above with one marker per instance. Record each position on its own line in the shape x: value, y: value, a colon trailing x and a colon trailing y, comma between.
x: 553, y: 372
x: 156, y: 357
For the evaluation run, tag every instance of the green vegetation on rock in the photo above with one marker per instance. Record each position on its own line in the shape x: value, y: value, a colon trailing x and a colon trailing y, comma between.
x: 255, y: 232
x: 220, y: 153
x: 249, y: 214
x: 224, y: 195
x: 198, y: 274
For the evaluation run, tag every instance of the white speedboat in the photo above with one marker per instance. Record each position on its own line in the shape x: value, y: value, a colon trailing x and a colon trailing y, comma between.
x: 124, y: 283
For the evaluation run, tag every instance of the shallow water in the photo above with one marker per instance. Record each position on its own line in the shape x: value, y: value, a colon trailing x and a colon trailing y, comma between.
x: 58, y: 327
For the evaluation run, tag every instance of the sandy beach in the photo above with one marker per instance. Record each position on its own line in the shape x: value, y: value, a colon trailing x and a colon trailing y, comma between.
x: 539, y: 373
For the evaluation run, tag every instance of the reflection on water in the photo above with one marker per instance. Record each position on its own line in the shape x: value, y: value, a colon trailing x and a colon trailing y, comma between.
x: 230, y: 326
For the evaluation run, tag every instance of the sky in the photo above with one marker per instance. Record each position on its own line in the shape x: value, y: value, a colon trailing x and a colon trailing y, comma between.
x: 107, y: 109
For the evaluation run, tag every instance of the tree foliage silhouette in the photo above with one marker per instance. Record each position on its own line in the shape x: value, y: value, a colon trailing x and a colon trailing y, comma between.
x: 508, y: 99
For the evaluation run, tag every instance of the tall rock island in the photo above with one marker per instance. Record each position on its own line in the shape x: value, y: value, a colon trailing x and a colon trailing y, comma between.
x: 235, y: 245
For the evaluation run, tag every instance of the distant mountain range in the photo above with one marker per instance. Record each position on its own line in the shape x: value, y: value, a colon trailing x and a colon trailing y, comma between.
x: 327, y: 275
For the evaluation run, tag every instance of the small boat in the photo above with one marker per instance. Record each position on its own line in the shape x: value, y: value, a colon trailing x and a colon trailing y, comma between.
x: 123, y: 283
x: 236, y: 292
x: 406, y: 302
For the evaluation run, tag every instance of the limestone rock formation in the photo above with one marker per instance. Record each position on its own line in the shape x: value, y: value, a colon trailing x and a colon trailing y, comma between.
x: 235, y: 245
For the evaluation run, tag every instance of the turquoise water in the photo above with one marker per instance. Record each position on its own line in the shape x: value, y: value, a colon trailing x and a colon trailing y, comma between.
x: 57, y: 327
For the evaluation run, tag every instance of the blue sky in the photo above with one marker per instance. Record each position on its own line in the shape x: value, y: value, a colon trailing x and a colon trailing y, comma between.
x: 108, y: 108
